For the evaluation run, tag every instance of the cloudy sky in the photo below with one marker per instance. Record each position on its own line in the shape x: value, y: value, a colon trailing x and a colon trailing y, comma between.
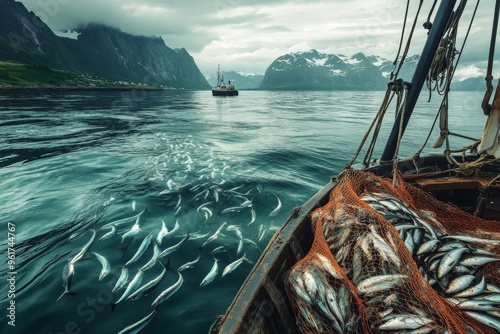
x: 247, y: 36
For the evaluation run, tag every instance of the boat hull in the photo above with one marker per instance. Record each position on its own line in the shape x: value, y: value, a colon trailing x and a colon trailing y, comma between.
x: 222, y: 92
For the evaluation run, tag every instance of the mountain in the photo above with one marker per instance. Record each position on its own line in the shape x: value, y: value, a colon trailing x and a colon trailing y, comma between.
x: 241, y: 80
x: 314, y: 70
x: 98, y: 50
x: 477, y: 84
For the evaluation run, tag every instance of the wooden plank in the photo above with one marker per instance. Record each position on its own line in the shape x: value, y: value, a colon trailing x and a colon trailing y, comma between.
x: 453, y: 183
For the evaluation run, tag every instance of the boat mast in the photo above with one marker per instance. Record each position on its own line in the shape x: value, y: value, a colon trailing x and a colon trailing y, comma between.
x: 435, y: 35
x: 218, y: 75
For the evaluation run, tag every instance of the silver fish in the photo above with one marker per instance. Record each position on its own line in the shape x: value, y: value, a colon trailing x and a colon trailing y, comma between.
x: 190, y: 264
x: 122, y: 280
x: 473, y: 290
x: 197, y: 235
x: 139, y: 325
x: 174, y: 230
x: 177, y: 206
x: 477, y: 261
x: 215, y: 235
x: 154, y: 258
x: 133, y: 230
x: 459, y: 283
x: 232, y: 209
x: 211, y: 274
x: 233, y: 265
x: 240, y: 237
x: 84, y: 249
x: 208, y: 213
x: 204, y: 205
x: 449, y: 260
x: 122, y: 221
x: 277, y: 209
x: 175, y: 247
x: 131, y: 287
x: 148, y: 287
x: 163, y: 232
x: 109, y: 234
x: 217, y: 250
x: 167, y: 293
x: 405, y: 321
x: 379, y: 283
x: 106, y: 267
x: 254, y: 216
x: 485, y: 319
x: 142, y: 248
x: 67, y: 276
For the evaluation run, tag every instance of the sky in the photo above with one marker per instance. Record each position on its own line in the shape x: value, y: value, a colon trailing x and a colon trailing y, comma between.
x: 247, y: 36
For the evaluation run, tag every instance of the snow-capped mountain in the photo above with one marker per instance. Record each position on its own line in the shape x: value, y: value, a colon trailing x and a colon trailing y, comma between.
x: 315, y: 70
x: 241, y: 80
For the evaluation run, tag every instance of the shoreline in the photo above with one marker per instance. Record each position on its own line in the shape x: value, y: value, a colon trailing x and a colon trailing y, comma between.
x: 76, y: 88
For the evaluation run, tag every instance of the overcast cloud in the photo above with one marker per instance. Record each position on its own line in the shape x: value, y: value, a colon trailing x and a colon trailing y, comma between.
x: 244, y: 35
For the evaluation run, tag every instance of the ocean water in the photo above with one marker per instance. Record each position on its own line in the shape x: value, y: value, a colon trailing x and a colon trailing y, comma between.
x: 72, y: 162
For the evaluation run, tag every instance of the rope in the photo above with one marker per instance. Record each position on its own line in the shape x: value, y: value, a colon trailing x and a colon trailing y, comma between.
x: 401, y: 40
x: 377, y: 121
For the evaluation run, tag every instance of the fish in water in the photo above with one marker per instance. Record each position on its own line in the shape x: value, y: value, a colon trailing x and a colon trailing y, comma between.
x: 142, y: 248
x: 106, y: 267
x: 174, y: 247
x: 122, y: 280
x: 167, y: 293
x: 211, y: 274
x: 139, y: 325
x: 215, y: 235
x: 149, y: 286
x: 67, y: 276
x: 232, y: 266
x: 277, y: 209
x: 163, y: 232
x: 84, y: 249
x: 122, y: 221
x: 154, y: 258
x: 109, y: 234
x: 133, y: 230
x: 190, y: 264
x: 131, y: 287
x: 240, y: 237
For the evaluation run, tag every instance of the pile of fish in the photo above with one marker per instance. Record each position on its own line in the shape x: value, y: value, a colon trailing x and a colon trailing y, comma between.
x: 324, y: 302
x: 452, y: 264
x: 373, y: 258
x: 215, y: 217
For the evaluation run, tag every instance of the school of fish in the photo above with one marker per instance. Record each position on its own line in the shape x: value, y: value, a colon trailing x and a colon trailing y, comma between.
x: 205, y: 212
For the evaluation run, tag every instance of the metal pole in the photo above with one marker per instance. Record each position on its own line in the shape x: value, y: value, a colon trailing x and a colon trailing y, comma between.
x: 436, y: 33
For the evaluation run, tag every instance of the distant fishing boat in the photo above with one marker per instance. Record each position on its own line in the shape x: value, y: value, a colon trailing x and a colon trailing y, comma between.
x: 356, y: 257
x: 221, y: 88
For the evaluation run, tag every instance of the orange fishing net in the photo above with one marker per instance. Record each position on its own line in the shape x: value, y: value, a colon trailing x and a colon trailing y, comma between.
x: 394, y: 259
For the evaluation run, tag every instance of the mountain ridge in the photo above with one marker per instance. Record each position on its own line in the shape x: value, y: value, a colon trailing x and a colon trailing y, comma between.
x: 98, y: 50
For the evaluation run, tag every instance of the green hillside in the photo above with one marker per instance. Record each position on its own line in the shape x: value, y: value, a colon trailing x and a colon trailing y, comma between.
x: 14, y: 74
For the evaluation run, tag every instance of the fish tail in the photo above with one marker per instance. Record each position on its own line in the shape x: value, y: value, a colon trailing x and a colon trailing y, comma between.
x: 167, y: 265
x: 112, y: 305
x: 66, y: 293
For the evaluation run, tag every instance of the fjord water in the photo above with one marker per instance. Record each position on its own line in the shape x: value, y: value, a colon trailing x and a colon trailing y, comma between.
x: 74, y: 161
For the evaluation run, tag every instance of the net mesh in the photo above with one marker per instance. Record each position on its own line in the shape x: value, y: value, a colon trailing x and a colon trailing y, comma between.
x: 394, y: 259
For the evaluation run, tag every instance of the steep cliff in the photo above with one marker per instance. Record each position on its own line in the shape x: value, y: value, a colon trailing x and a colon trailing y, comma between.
x: 99, y: 50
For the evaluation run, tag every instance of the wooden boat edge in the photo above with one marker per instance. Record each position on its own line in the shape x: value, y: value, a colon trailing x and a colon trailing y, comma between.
x: 285, y: 238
